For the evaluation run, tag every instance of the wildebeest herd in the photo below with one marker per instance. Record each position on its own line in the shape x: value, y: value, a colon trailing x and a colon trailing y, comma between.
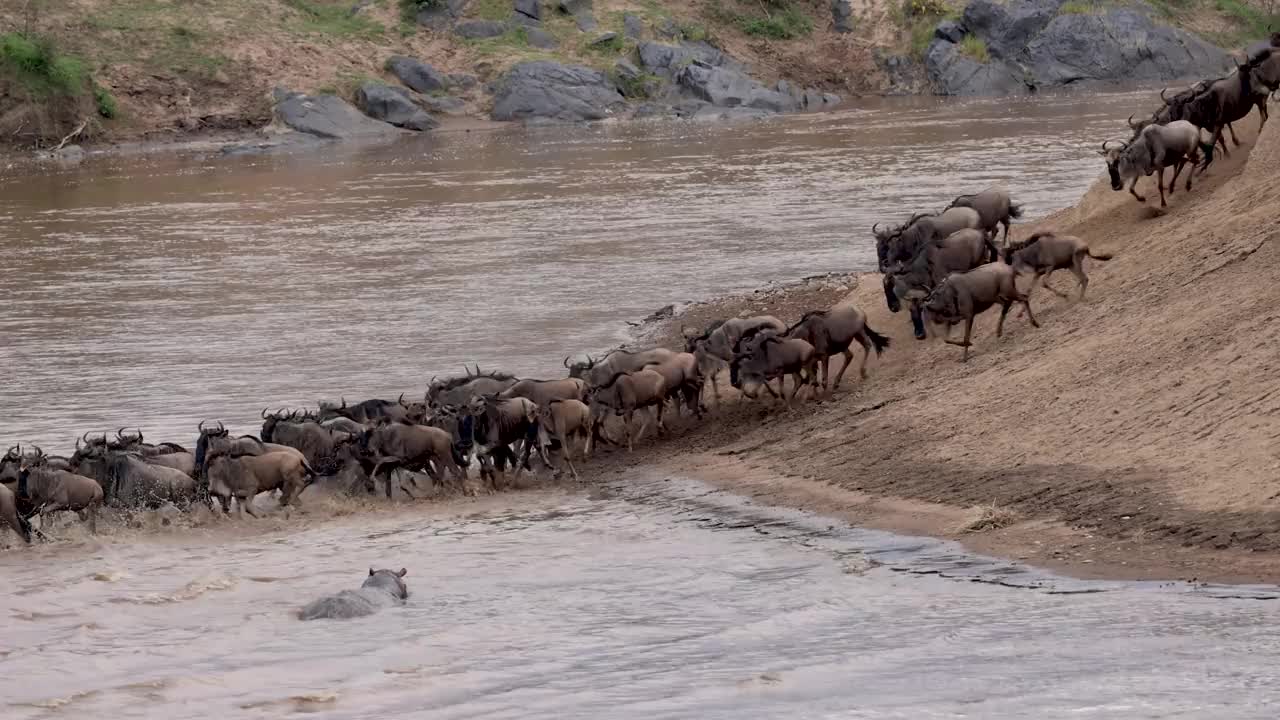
x: 947, y: 266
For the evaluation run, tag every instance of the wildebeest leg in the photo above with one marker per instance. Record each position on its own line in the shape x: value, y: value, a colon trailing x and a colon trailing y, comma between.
x: 1177, y: 170
x: 246, y: 505
x: 968, y: 328
x: 626, y: 426
x: 1045, y: 282
x: 1234, y: 139
x: 1006, y: 224
x: 968, y: 331
x: 1160, y: 185
x: 1077, y: 269
x: 1026, y: 303
x: 917, y: 320
x: 848, y: 360
x: 1219, y: 139
x: 1133, y: 189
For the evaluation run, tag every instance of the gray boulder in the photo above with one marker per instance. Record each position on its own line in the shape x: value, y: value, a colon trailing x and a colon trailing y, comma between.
x: 540, y: 38
x: 603, y: 38
x: 831, y: 99
x: 544, y: 89
x: 329, y: 116
x: 842, y: 15
x: 632, y: 26
x: 667, y: 28
x: 392, y: 105
x: 530, y: 9
x: 954, y: 73
x: 440, y: 16
x: 478, y: 29
x: 416, y: 74
x: 726, y: 87
x: 581, y: 12
x: 667, y: 60
x: 949, y: 30
x: 463, y: 81
x: 444, y: 104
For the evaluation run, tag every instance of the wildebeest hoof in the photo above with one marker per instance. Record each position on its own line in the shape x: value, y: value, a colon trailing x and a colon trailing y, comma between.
x: 921, y: 336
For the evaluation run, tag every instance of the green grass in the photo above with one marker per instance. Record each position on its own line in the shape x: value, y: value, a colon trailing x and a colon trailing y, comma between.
x: 921, y: 36
x: 975, y: 47
x: 105, y: 102
x: 325, y: 17
x: 611, y: 47
x: 787, y: 24
x: 1254, y: 24
x: 492, y: 9
x: 39, y: 67
x: 633, y: 87
x: 1079, y: 7
x: 694, y: 32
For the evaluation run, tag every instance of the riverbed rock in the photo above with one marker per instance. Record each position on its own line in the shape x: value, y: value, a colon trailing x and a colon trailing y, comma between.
x: 393, y: 105
x: 479, y: 29
x: 444, y: 104
x: 463, y: 81
x: 329, y: 116
x: 632, y: 26
x: 842, y: 15
x: 726, y: 87
x: 416, y: 74
x: 531, y: 9
x: 539, y: 38
x: 1033, y: 45
x: 550, y: 90
x: 668, y: 60
x: 441, y: 15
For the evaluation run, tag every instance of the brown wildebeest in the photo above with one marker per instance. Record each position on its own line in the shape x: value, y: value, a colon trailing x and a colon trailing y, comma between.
x: 769, y: 356
x: 833, y: 332
x: 599, y: 372
x: 131, y: 481
x: 994, y: 207
x: 904, y: 245
x: 9, y: 514
x: 1043, y: 253
x: 495, y: 425
x: 565, y: 420
x: 458, y: 391
x: 411, y: 447
x: 245, y: 476
x: 912, y: 281
x: 715, y: 347
x: 683, y: 379
x: 541, y: 392
x: 963, y: 296
x: 42, y: 489
x: 624, y: 394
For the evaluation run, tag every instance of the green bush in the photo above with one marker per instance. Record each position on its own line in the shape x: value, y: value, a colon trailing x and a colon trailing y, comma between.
x: 40, y: 67
x: 105, y: 102
x: 974, y: 47
x: 334, y: 19
x: 786, y: 24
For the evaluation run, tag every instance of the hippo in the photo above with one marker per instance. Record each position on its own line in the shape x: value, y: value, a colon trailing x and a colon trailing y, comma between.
x: 380, y: 589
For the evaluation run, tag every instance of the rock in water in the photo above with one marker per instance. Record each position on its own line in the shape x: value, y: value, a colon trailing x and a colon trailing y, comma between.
x: 328, y: 116
x: 842, y: 15
x: 392, y: 105
x: 725, y: 87
x: 545, y: 89
x: 416, y: 74
x: 383, y: 588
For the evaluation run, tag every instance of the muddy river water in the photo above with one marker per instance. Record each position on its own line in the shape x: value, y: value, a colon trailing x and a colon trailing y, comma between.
x: 159, y: 291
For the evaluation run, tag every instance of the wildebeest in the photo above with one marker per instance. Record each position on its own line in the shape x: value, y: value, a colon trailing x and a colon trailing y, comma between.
x: 319, y: 445
x: 219, y: 440
x: 884, y: 234
x: 381, y: 589
x: 496, y: 425
x: 904, y: 245
x: 127, y: 479
x: 624, y: 394
x: 598, y: 372
x: 682, y: 377
x: 341, y: 424
x: 913, y: 280
x: 402, y: 445
x: 458, y: 391
x: 1157, y: 147
x: 245, y: 476
x: 166, y: 454
x: 9, y: 514
x: 995, y: 208
x: 715, y: 346
x: 963, y: 296
x: 541, y: 392
x: 832, y: 332
x: 365, y: 411
x: 42, y: 489
x: 769, y: 356
x: 1043, y: 253
x: 1223, y: 102
x: 566, y: 421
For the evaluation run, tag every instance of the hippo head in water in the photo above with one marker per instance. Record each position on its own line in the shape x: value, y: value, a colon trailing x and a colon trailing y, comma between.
x: 390, y: 581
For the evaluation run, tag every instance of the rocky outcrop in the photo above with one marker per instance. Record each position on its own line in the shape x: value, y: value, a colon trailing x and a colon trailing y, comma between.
x: 392, y: 105
x: 549, y: 90
x: 668, y: 60
x: 581, y: 11
x: 727, y: 88
x: 531, y: 9
x: 1032, y: 45
x: 632, y: 26
x: 539, y: 38
x: 416, y: 74
x: 328, y: 116
x: 842, y: 15
x: 480, y: 29
x: 441, y: 15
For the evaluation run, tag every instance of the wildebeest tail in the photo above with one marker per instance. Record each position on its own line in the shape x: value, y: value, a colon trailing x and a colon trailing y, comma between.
x: 1100, y: 256
x: 880, y: 342
x: 310, y: 474
x: 1015, y: 211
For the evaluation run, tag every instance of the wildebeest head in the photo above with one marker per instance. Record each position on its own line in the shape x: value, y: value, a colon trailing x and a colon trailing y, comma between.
x: 580, y: 368
x: 1115, y: 152
x: 207, y: 435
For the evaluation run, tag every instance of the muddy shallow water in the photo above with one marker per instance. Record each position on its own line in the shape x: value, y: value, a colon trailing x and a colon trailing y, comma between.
x: 160, y: 291
x: 666, y: 600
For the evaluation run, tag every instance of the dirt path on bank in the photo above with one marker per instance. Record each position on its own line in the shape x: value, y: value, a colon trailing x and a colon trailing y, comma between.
x: 1133, y: 435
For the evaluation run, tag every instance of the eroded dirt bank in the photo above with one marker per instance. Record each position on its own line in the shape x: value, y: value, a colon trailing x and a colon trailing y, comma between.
x: 1133, y: 435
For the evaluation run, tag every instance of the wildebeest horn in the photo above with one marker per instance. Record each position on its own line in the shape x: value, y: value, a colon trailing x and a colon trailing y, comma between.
x: 1162, y: 92
x: 400, y: 399
x: 467, y: 370
x: 77, y: 445
x: 85, y: 436
x: 1130, y: 121
x: 120, y: 434
x: 264, y: 413
x: 874, y: 229
x: 566, y: 361
x: 221, y: 427
x: 477, y: 369
x: 139, y: 434
x: 39, y: 452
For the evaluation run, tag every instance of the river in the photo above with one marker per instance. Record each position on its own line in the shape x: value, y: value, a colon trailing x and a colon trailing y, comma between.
x: 159, y: 291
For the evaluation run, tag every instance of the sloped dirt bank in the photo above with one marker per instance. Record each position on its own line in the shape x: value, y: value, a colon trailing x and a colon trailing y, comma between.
x: 1133, y: 435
